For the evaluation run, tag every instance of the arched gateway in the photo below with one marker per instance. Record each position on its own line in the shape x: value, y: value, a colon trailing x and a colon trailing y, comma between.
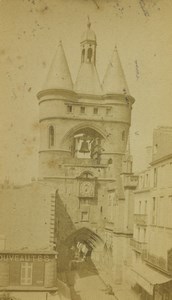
x: 85, y: 236
x: 83, y: 137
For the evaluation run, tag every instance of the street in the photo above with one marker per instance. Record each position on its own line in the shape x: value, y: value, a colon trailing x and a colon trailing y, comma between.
x: 85, y: 284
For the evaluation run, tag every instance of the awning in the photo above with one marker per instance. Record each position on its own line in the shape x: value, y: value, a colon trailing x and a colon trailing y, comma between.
x: 147, y: 278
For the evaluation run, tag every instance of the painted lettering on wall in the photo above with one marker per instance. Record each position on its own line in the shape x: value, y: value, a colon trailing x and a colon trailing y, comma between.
x: 24, y: 257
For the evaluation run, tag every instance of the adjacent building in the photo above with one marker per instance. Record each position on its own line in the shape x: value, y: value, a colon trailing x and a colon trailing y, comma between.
x: 28, y: 260
x: 152, y: 239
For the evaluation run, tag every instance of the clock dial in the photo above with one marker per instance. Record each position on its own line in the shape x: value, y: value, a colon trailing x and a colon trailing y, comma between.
x: 87, y: 189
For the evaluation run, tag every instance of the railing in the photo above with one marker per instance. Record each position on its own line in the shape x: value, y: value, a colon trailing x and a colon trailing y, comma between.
x: 157, y: 261
x: 138, y: 246
x: 140, y: 219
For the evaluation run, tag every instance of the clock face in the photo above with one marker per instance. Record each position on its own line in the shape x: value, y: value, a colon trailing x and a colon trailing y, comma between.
x: 87, y: 189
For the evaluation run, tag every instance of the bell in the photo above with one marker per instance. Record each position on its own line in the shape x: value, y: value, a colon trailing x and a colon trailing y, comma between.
x: 84, y: 147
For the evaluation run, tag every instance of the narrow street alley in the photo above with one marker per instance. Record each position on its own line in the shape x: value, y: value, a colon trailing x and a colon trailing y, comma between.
x: 85, y: 283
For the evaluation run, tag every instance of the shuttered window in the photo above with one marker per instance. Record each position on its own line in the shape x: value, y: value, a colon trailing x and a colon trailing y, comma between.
x: 50, y: 274
x: 26, y: 273
x: 38, y: 273
x: 4, y: 273
x: 15, y: 268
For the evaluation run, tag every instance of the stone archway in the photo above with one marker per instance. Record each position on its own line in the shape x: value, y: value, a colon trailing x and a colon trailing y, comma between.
x: 81, y: 244
x: 85, y: 141
x: 81, y: 127
x: 84, y: 235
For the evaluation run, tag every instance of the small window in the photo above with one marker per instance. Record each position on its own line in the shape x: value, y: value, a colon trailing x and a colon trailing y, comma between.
x: 154, y: 211
x: 83, y: 55
x: 82, y: 109
x: 110, y: 161
x: 108, y: 111
x: 89, y: 54
x: 95, y: 110
x: 145, y: 207
x: 69, y: 108
x: 123, y: 135
x: 155, y: 148
x: 155, y: 177
x: 154, y: 203
x: 51, y: 136
x: 84, y: 216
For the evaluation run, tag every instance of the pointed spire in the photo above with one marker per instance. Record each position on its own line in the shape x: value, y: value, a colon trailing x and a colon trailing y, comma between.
x: 88, y: 35
x: 114, y: 81
x: 59, y: 76
x: 88, y: 23
x: 87, y: 81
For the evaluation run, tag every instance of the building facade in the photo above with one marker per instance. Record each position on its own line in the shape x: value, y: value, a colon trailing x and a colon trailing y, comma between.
x: 83, y: 138
x: 152, y: 239
x: 28, y: 261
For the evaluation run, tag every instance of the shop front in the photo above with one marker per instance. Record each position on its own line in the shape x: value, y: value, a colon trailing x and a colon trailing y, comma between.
x: 153, y: 285
x: 28, y: 273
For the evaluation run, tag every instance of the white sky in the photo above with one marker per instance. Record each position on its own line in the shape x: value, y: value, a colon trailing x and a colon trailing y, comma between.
x: 29, y: 34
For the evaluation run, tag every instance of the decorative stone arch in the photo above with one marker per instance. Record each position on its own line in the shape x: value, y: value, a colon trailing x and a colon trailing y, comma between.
x: 85, y: 235
x: 86, y: 173
x: 83, y: 126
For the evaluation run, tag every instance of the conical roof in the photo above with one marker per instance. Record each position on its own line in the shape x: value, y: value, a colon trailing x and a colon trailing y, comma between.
x: 114, y: 81
x: 87, y: 81
x: 59, y: 76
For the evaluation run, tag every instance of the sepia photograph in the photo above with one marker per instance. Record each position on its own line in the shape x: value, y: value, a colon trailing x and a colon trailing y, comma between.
x: 86, y: 150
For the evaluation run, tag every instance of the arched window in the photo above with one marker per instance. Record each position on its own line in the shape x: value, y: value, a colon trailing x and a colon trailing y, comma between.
x: 89, y: 54
x: 51, y: 136
x: 83, y: 55
x: 109, y: 161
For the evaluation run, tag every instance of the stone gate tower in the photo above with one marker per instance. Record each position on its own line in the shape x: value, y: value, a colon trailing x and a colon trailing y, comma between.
x: 83, y: 137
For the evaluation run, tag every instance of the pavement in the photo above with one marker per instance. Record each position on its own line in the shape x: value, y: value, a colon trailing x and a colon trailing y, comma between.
x: 86, y: 284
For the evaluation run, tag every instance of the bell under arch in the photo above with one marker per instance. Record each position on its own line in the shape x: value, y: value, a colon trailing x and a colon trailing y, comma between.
x: 84, y: 142
x: 81, y: 126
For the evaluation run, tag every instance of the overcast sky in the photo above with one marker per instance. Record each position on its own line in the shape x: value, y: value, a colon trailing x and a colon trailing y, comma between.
x: 29, y: 35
